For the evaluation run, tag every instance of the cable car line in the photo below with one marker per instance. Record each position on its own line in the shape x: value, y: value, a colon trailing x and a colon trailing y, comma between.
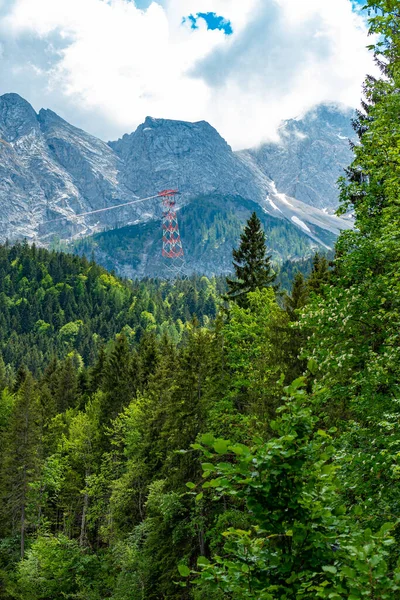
x: 92, y: 212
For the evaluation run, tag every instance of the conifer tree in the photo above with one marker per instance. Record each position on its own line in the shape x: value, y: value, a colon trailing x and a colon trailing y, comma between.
x: 21, y: 457
x: 3, y: 374
x: 319, y: 274
x: 67, y: 385
x: 298, y: 296
x: 251, y: 263
x: 97, y: 372
x: 148, y: 357
x: 20, y: 377
x: 120, y: 379
x: 296, y: 336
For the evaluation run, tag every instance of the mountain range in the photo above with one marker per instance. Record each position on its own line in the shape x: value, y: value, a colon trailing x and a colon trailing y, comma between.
x: 51, y: 171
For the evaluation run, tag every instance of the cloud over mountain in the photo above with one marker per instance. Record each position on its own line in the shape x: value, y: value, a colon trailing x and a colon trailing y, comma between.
x: 107, y: 64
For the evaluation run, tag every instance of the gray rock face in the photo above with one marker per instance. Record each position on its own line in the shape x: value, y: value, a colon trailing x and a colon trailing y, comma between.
x: 193, y: 157
x: 30, y: 181
x: 311, y: 156
x: 51, y: 172
x: 17, y: 118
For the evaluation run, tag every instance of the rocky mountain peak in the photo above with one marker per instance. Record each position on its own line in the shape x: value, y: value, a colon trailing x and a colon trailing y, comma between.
x: 310, y: 156
x: 172, y: 137
x: 321, y: 120
x: 52, y: 125
x: 48, y: 118
x: 165, y: 153
x: 17, y: 117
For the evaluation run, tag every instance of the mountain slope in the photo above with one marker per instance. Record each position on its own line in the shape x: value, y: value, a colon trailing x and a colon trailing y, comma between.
x: 51, y: 172
x: 310, y: 156
x: 191, y: 156
x: 50, y: 169
x: 210, y: 227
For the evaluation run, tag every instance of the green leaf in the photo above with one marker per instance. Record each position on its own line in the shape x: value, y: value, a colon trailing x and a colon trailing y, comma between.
x: 207, y: 466
x: 297, y: 384
x: 340, y: 510
x: 387, y: 527
x: 327, y: 469
x: 312, y: 366
x: 350, y: 573
x: 202, y: 561
x: 184, y: 570
x: 239, y: 449
x: 221, y: 446
x: 190, y: 485
x: 330, y: 569
x: 207, y: 439
x: 322, y: 433
x: 199, y: 497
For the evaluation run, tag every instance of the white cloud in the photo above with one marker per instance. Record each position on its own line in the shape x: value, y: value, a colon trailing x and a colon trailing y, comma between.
x: 106, y: 64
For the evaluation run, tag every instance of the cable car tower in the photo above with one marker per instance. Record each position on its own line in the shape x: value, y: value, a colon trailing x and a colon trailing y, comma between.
x: 172, y: 245
x: 172, y: 249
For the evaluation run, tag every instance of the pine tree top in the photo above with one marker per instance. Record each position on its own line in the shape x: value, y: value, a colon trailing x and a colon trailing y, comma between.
x: 251, y: 263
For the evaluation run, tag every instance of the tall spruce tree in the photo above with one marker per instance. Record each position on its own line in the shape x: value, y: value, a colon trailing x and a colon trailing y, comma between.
x: 298, y: 297
x: 251, y: 263
x: 293, y: 304
x: 319, y: 274
x: 120, y: 378
x: 21, y: 460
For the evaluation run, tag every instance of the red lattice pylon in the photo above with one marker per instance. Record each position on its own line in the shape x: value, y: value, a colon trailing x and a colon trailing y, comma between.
x: 172, y: 244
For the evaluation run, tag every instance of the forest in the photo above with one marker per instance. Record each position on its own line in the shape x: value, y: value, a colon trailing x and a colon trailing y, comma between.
x: 212, y: 438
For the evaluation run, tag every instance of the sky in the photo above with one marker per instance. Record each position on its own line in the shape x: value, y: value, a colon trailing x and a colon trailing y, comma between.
x: 242, y: 65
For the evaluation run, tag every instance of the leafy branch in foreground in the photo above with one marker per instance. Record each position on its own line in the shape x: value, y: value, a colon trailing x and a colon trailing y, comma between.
x: 302, y: 543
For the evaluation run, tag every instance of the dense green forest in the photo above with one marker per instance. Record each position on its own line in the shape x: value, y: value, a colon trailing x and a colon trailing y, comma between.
x: 212, y: 440
x: 54, y: 304
x: 89, y: 359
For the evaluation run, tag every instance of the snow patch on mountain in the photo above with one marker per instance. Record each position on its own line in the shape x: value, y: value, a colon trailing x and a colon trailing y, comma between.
x: 301, y: 224
x: 274, y: 206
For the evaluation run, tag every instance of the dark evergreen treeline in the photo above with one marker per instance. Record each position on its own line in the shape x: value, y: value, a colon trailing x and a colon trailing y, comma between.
x: 52, y: 304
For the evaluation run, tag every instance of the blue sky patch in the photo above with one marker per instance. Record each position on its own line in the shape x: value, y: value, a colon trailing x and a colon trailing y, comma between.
x: 213, y: 22
x: 358, y: 5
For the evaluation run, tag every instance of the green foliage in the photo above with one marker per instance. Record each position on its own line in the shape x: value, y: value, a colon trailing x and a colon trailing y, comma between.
x: 52, y: 304
x: 354, y: 325
x: 302, y: 543
x: 21, y: 459
x: 55, y: 567
x: 256, y: 353
x: 298, y: 297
